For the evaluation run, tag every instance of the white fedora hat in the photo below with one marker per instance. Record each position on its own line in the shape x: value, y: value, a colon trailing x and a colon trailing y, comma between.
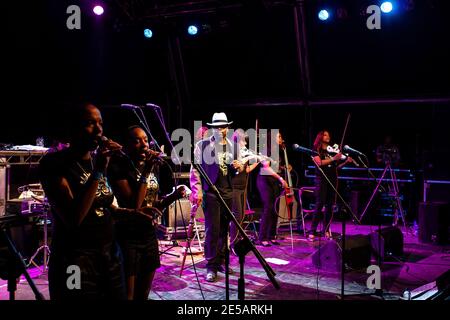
x: 219, y: 119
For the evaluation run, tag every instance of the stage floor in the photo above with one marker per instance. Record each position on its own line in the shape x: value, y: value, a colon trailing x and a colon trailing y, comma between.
x: 298, y: 277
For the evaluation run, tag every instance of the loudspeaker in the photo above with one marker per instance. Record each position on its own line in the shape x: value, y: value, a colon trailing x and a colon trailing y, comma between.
x: 438, y: 290
x: 357, y: 254
x: 183, y: 211
x: 434, y: 222
x: 387, y: 242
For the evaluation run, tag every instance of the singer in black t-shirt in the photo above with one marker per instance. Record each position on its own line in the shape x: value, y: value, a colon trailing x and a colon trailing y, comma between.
x: 81, y: 199
x: 133, y: 179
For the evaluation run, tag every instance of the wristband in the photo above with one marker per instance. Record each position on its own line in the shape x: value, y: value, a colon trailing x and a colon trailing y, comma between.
x: 97, y: 175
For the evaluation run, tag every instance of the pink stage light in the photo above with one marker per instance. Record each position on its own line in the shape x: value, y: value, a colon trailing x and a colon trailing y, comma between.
x: 98, y: 10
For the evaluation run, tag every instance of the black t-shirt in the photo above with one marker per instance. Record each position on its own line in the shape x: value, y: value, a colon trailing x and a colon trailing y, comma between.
x: 132, y: 228
x: 96, y: 230
x: 330, y: 170
x: 223, y: 183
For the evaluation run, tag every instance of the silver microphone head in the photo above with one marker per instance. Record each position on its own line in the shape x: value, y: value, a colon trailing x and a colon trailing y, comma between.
x: 152, y: 105
x: 129, y: 106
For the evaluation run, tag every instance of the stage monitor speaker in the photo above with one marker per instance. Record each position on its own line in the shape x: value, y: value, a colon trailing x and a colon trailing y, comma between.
x: 434, y: 222
x: 172, y: 217
x: 389, y: 244
x: 357, y: 254
x: 438, y: 290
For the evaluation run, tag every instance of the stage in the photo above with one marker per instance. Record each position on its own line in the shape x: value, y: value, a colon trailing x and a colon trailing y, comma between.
x: 292, y: 261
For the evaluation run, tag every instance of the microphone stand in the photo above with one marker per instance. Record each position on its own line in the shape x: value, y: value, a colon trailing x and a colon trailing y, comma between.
x: 157, y: 109
x: 16, y: 261
x: 343, y: 223
x: 380, y: 186
x: 242, y: 247
x: 144, y: 124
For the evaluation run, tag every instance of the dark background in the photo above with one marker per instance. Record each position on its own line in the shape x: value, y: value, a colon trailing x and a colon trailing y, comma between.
x: 246, y: 65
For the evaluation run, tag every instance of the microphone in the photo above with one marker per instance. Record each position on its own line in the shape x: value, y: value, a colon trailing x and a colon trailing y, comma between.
x: 129, y: 106
x: 102, y: 141
x: 298, y: 148
x: 151, y: 105
x: 346, y: 148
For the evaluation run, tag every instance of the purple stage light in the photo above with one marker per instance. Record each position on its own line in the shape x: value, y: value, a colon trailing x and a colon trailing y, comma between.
x: 98, y: 10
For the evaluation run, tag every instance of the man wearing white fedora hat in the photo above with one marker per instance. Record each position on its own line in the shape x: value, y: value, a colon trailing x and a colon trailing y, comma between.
x: 217, y: 156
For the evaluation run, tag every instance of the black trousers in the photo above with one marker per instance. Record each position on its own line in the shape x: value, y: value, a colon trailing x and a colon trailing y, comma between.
x: 269, y: 190
x: 216, y: 230
x: 100, y: 278
x: 324, y: 198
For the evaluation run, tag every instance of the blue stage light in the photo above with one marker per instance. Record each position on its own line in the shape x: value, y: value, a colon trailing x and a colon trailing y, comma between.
x: 192, y: 30
x: 386, y: 7
x: 148, y: 33
x: 323, y: 15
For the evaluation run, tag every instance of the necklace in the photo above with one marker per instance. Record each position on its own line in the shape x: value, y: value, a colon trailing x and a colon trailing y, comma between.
x: 85, y: 175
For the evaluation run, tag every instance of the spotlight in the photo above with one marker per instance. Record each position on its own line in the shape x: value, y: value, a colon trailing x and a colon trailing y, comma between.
x: 386, y: 7
x: 192, y: 30
x: 98, y: 10
x: 148, y: 33
x: 323, y: 15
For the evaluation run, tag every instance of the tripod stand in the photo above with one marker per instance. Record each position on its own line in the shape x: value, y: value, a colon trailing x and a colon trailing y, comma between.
x: 393, y: 192
x: 15, y: 266
x: 378, y: 293
x: 44, y: 248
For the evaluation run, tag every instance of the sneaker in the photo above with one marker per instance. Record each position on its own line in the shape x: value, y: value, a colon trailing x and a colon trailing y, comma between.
x: 211, y: 276
x: 221, y: 269
x: 275, y: 242
x: 264, y: 243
